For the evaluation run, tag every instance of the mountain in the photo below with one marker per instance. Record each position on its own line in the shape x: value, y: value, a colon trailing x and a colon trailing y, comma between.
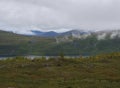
x: 71, y: 35
x: 14, y: 44
x: 70, y: 43
x: 45, y: 34
x: 55, y: 34
x: 75, y: 31
x: 78, y: 34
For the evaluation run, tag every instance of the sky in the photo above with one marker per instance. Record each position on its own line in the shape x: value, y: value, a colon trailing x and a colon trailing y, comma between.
x: 59, y: 15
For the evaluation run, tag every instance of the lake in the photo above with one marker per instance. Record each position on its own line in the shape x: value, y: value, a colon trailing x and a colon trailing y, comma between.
x: 33, y: 57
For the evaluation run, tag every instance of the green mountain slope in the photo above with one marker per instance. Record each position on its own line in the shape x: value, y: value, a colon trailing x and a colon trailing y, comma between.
x: 89, y: 46
x: 13, y: 44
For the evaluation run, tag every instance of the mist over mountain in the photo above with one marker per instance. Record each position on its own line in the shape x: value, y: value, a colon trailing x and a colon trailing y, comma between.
x: 59, y: 43
x: 70, y: 43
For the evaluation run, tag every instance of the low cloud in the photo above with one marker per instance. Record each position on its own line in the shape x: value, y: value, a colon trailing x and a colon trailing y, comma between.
x: 87, y: 14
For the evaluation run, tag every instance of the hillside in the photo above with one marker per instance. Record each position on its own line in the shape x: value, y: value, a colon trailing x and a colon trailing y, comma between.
x: 89, y: 46
x: 14, y: 44
x: 101, y: 71
x: 69, y: 43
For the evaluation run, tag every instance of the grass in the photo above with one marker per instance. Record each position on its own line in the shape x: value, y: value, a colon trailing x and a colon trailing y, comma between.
x: 101, y: 71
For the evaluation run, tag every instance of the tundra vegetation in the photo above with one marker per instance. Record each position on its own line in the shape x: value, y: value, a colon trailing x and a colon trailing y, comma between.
x: 100, y: 71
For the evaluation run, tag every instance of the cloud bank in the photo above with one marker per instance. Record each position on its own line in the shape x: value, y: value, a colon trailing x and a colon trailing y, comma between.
x: 48, y: 14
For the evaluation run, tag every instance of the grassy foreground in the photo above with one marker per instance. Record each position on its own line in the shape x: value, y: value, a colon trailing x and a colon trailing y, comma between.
x: 102, y: 71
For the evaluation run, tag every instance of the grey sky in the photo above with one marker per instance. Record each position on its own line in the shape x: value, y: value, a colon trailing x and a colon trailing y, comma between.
x: 47, y: 14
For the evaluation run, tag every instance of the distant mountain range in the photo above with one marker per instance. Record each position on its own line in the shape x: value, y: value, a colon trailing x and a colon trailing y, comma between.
x: 55, y: 34
x: 79, y: 33
x: 74, y: 42
x: 99, y: 35
x: 45, y: 34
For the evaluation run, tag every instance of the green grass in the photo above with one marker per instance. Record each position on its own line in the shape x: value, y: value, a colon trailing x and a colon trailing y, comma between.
x: 101, y: 71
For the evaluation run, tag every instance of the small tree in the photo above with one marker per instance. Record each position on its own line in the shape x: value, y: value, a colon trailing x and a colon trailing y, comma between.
x: 61, y: 55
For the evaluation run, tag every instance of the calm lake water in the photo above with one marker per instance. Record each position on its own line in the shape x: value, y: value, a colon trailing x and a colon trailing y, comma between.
x: 33, y: 57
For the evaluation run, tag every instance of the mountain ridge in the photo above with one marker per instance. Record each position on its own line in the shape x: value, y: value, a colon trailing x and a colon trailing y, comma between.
x: 95, y: 43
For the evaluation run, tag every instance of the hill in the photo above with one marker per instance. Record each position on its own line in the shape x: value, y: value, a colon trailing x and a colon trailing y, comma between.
x: 69, y: 43
x: 14, y: 44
